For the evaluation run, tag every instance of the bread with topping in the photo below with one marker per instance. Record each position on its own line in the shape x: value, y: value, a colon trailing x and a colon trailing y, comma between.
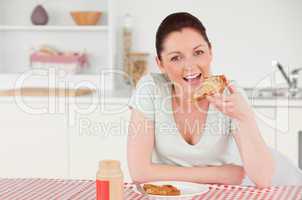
x: 210, y: 86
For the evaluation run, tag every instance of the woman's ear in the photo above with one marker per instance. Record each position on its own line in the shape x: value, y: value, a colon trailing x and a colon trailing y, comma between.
x: 160, y: 65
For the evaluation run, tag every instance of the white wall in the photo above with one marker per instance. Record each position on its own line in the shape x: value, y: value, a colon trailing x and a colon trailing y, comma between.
x: 246, y: 35
x: 16, y: 12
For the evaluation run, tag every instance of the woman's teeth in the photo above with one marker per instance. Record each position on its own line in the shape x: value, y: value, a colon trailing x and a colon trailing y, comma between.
x: 192, y: 77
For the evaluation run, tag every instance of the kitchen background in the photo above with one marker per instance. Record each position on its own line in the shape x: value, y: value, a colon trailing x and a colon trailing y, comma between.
x: 66, y: 137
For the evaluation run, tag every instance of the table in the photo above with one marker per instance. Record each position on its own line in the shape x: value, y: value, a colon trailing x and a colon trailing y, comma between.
x: 30, y: 189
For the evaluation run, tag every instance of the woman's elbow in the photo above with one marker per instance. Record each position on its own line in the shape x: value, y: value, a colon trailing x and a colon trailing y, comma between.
x: 266, y: 180
x: 264, y: 183
x: 139, y: 177
x: 139, y: 174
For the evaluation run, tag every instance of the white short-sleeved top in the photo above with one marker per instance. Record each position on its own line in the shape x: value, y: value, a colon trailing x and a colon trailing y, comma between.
x: 153, y: 97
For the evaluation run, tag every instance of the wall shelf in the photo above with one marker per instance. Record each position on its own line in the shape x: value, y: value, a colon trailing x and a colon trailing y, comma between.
x: 53, y: 28
x: 18, y: 36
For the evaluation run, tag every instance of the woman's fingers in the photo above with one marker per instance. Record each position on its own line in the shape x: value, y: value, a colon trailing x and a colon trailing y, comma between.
x: 232, y: 88
x: 217, y: 98
x: 214, y: 99
x: 225, y: 108
x: 220, y: 103
x: 229, y: 104
x: 229, y: 98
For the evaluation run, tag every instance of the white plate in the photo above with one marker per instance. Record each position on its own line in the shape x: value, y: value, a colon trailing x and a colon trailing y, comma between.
x: 187, y: 190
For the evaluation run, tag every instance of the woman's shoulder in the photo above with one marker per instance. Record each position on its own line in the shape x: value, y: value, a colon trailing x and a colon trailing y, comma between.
x: 146, y: 92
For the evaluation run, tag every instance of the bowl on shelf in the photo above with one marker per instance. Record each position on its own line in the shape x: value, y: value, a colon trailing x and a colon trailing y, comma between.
x: 86, y: 17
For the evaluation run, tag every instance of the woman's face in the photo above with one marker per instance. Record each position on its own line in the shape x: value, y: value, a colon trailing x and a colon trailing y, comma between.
x: 185, y: 59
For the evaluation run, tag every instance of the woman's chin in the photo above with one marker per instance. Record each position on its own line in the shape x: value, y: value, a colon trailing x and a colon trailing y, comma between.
x: 193, y: 84
x: 190, y: 88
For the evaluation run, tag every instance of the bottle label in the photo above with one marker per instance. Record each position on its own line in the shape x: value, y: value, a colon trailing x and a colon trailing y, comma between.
x: 102, y: 190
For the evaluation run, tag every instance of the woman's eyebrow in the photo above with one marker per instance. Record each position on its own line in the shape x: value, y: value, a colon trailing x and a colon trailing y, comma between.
x: 199, y: 46
x: 173, y: 52
x: 178, y: 52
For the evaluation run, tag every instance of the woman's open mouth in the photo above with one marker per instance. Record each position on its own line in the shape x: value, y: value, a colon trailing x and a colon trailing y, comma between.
x: 193, y: 78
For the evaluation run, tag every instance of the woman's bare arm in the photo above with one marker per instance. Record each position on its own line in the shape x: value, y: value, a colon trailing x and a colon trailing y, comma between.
x: 257, y: 159
x: 140, y: 147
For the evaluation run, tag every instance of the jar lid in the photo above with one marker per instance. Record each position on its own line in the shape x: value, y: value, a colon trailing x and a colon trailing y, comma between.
x: 109, y: 164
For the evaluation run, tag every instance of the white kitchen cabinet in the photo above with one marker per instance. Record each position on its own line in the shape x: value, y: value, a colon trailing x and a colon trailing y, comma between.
x: 288, y: 126
x: 97, y: 135
x: 279, y: 125
x: 32, y: 145
x: 266, y: 121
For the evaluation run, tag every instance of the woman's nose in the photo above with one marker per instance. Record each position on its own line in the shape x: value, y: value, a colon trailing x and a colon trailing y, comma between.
x: 190, y: 63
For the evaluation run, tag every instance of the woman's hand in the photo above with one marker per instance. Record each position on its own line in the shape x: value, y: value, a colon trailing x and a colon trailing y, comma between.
x: 233, y: 105
x: 231, y: 174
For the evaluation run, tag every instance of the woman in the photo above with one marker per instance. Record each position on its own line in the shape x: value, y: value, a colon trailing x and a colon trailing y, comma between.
x: 214, y: 140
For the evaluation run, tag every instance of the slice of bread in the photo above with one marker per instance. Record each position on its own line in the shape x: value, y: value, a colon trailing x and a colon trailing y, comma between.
x: 210, y: 86
x: 164, y: 190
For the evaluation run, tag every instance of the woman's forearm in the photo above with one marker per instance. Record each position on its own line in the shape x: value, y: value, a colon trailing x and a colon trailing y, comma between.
x: 257, y: 159
x: 225, y: 174
x: 155, y: 172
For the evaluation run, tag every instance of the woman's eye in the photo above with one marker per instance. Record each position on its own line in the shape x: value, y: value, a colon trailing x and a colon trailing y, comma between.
x: 175, y: 58
x: 199, y: 52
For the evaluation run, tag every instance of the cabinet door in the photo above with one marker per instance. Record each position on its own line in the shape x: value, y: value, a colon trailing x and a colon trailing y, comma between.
x: 289, y: 124
x: 32, y: 145
x: 96, y: 135
x: 266, y: 121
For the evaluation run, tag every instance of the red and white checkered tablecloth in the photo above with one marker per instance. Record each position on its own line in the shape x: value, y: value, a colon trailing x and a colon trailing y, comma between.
x: 29, y: 189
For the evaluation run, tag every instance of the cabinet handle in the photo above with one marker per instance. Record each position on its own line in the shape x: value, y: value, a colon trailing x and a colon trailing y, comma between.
x: 300, y: 148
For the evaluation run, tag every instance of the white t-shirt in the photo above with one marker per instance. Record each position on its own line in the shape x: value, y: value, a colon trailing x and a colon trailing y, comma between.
x: 216, y: 145
x: 153, y: 97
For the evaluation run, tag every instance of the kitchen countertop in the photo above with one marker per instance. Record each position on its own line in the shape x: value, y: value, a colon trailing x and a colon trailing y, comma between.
x: 260, y: 102
x: 122, y: 96
x: 119, y: 95
x: 113, y: 96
